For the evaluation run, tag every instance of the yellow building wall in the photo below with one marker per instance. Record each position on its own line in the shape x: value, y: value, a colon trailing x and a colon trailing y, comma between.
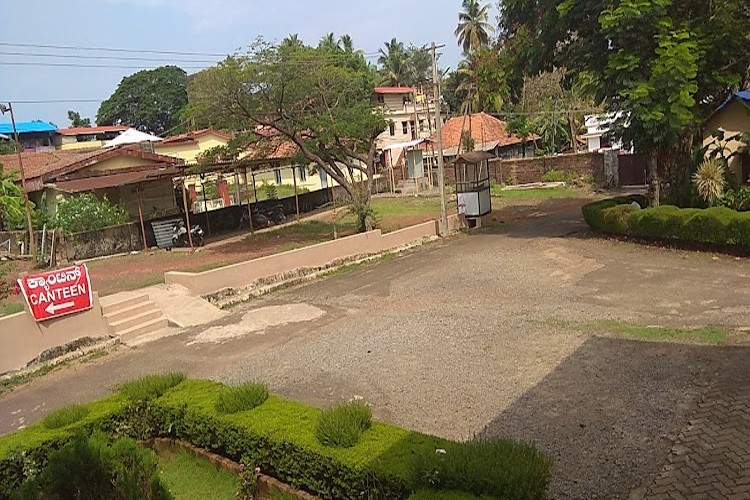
x: 118, y: 162
x: 71, y: 146
x: 190, y: 152
x: 733, y: 119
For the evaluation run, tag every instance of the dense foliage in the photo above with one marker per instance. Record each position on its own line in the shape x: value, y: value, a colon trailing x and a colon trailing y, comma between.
x: 319, y: 99
x: 717, y: 226
x: 279, y: 437
x: 150, y: 100
x: 85, y: 212
x: 90, y: 468
x: 77, y: 121
x: 11, y: 200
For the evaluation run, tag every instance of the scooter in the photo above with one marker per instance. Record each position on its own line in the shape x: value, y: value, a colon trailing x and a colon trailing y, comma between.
x: 259, y: 220
x: 180, y: 235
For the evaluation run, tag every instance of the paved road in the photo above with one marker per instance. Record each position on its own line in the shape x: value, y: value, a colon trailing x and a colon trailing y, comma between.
x: 490, y: 334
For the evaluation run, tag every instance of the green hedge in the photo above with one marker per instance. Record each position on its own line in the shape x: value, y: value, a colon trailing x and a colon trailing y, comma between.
x: 279, y: 436
x: 717, y: 226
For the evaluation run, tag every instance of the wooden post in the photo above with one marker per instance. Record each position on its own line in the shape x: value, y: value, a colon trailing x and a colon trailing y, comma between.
x: 185, y: 195
x: 393, y: 176
x: 255, y: 190
x: 140, y: 216
x: 296, y: 193
x: 205, y: 204
x: 247, y: 195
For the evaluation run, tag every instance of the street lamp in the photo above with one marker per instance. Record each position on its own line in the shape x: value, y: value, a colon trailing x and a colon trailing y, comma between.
x: 32, y: 242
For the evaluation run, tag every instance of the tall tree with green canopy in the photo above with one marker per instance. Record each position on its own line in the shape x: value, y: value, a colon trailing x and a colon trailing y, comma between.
x: 474, y: 29
x: 149, y: 100
x: 77, y: 121
x: 11, y: 200
x: 320, y: 103
x: 665, y: 64
x: 394, y: 63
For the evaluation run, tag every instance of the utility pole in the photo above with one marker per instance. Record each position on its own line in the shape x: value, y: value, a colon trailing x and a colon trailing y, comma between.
x: 439, y: 127
x: 30, y: 225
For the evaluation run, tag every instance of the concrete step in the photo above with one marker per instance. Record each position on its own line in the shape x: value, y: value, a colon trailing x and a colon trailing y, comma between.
x: 124, y: 325
x: 129, y: 335
x: 109, y: 308
x: 138, y: 340
x: 128, y: 312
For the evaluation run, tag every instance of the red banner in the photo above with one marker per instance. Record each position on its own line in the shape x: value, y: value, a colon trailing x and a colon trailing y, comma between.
x: 57, y: 293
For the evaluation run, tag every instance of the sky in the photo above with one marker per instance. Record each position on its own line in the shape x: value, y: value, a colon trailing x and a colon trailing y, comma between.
x: 210, y: 26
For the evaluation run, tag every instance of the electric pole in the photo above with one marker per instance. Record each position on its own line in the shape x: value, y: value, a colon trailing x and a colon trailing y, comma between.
x: 439, y: 128
x: 29, y: 224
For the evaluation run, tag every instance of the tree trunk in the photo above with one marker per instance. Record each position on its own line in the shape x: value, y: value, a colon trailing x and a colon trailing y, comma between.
x: 654, y: 181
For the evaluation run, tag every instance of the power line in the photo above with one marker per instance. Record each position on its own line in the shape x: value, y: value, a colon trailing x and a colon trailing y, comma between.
x: 116, y: 58
x: 76, y: 65
x: 110, y: 49
x: 52, y: 101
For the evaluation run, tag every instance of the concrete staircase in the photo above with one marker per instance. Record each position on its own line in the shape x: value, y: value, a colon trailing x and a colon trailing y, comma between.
x: 133, y: 317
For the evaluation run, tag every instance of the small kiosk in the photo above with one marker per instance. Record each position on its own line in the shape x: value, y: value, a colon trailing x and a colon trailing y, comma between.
x: 473, y: 194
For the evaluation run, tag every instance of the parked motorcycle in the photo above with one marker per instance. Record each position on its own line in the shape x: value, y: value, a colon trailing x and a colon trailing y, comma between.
x: 180, y: 235
x: 259, y: 220
x: 276, y: 214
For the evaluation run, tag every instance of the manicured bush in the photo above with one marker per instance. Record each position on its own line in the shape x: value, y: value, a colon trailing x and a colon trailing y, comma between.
x: 498, y: 467
x: 65, y: 416
x: 342, y: 425
x: 717, y: 226
x: 90, y: 468
x: 86, y: 212
x: 241, y: 398
x: 151, y: 386
x: 279, y: 437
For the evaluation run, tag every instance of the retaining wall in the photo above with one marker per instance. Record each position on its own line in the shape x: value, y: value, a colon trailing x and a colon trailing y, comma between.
x: 100, y: 242
x: 23, y: 339
x: 243, y: 274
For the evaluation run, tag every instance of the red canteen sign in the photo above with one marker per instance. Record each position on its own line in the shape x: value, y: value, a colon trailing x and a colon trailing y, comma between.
x: 57, y: 293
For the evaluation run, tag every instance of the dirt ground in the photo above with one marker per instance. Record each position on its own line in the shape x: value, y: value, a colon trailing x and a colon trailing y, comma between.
x: 485, y: 334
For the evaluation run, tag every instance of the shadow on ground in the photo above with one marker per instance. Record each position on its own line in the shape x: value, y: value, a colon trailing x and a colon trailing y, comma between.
x: 609, y: 414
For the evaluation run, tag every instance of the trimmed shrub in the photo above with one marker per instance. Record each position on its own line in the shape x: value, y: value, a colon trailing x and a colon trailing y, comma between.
x: 90, y: 468
x: 241, y: 398
x: 498, y: 467
x: 342, y: 425
x: 65, y: 416
x: 718, y: 226
x: 555, y: 176
x: 151, y: 386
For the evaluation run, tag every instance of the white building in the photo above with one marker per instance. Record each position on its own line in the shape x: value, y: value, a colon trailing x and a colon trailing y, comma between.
x: 598, y: 136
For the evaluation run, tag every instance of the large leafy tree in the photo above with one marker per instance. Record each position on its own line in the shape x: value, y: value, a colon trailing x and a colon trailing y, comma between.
x: 77, y: 121
x: 665, y: 63
x: 149, y: 100
x: 304, y: 95
x: 474, y: 29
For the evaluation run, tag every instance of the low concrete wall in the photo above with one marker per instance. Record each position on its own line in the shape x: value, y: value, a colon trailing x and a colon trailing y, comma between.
x: 243, y: 274
x: 100, y: 242
x: 22, y: 339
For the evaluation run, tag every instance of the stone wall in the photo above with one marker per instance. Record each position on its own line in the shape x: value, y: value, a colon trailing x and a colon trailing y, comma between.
x: 528, y: 170
x: 100, y: 242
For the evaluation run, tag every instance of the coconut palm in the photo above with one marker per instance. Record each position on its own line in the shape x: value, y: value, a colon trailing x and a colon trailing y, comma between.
x: 329, y: 41
x: 394, y: 63
x: 293, y: 41
x: 474, y: 29
x: 346, y: 43
x: 11, y: 200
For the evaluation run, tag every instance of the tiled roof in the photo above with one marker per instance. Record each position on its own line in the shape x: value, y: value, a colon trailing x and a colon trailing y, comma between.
x: 49, y: 164
x: 92, y: 130
x: 27, y: 127
x: 191, y: 137
x: 393, y: 90
x: 484, y: 129
x: 271, y: 146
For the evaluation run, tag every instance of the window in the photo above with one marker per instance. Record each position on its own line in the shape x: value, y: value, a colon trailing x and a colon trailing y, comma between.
x: 302, y: 174
x: 381, y: 98
x: 405, y: 128
x: 421, y: 125
x: 413, y: 130
x: 392, y: 128
x: 277, y: 175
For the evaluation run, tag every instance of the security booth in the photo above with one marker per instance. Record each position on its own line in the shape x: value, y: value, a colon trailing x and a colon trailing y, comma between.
x: 473, y: 194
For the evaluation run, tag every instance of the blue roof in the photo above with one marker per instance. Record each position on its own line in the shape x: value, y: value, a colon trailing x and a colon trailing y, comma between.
x: 742, y: 94
x: 27, y: 127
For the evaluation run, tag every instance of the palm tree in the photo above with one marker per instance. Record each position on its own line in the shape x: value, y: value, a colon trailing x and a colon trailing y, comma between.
x: 346, y: 43
x: 11, y: 199
x: 394, y: 63
x: 420, y: 65
x: 329, y: 41
x: 474, y: 29
x: 293, y: 41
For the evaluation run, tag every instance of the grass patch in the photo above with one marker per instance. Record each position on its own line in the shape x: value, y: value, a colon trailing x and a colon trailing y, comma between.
x: 498, y: 467
x: 188, y: 477
x: 276, y: 494
x: 342, y: 425
x: 241, y: 398
x: 65, y: 416
x: 150, y: 386
x: 9, y: 308
x: 706, y: 334
x: 534, y: 193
